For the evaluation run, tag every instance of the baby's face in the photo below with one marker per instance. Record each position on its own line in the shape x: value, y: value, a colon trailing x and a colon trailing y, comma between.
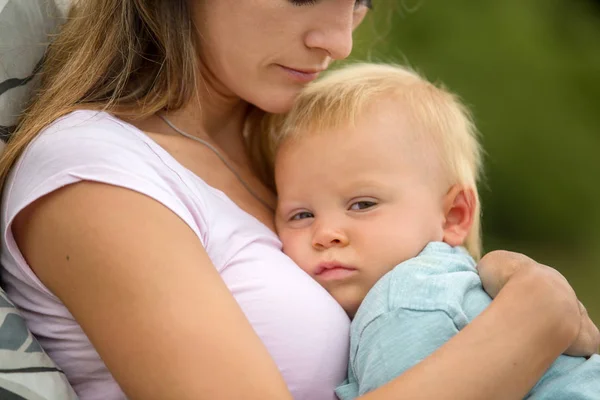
x: 355, y: 202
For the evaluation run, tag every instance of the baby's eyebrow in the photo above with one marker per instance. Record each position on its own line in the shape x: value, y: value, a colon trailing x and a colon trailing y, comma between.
x: 365, y: 184
x: 286, y: 206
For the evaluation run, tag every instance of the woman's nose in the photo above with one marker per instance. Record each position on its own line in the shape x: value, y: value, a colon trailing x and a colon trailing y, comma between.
x: 333, y: 34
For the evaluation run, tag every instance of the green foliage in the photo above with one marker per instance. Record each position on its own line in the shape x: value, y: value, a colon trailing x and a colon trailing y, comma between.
x: 530, y: 71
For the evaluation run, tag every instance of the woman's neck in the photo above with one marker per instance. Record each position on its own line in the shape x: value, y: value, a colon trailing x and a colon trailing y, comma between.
x: 220, y: 121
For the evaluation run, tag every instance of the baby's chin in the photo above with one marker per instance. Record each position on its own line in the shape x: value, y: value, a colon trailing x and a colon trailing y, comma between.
x: 349, y: 294
x: 351, y: 312
x: 350, y: 304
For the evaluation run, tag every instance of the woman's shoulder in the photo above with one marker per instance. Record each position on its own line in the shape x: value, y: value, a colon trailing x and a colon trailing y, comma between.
x: 87, y: 137
x: 95, y: 146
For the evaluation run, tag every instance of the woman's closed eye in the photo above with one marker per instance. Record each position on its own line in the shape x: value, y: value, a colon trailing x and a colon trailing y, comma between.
x: 362, y: 205
x: 358, y: 4
x: 364, y: 3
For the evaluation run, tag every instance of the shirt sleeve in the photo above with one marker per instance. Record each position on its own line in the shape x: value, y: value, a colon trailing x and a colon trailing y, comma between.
x: 396, y: 341
x: 86, y: 146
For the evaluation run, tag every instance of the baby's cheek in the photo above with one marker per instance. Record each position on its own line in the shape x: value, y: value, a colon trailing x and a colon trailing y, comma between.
x: 292, y: 247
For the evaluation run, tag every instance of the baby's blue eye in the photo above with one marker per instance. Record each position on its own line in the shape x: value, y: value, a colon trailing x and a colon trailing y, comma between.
x: 302, y: 215
x: 362, y: 205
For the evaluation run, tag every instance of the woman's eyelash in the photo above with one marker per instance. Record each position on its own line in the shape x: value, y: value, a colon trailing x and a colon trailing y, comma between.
x: 366, y: 3
x: 303, y: 2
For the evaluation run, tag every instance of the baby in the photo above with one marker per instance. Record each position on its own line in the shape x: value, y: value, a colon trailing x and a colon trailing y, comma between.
x: 376, y: 171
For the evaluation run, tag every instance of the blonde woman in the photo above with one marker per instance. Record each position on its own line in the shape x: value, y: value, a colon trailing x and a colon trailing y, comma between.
x: 138, y: 233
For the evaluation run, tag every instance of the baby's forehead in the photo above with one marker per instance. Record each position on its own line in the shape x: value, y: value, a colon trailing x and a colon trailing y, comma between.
x: 371, y: 143
x: 386, y: 119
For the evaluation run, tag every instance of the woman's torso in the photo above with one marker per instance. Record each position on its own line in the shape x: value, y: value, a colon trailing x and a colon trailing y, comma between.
x: 305, y: 331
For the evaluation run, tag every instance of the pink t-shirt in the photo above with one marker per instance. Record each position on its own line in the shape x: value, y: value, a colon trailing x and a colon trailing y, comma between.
x: 304, y: 329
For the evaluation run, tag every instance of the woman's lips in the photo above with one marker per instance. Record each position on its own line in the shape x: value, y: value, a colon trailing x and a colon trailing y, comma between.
x: 301, y: 75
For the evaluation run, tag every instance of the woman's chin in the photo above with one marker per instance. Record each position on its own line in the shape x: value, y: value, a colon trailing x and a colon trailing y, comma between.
x: 278, y: 103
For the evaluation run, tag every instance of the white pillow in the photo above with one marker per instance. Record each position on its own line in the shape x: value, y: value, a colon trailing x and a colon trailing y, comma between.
x: 63, y: 6
x: 24, y: 29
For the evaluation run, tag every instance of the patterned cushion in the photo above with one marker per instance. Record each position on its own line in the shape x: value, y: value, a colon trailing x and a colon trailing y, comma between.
x: 26, y: 372
x: 24, y: 28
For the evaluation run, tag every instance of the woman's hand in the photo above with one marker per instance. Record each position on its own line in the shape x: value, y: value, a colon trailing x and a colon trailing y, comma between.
x: 506, y: 349
x: 497, y: 267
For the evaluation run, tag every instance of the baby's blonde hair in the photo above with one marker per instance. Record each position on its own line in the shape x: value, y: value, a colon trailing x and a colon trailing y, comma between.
x: 342, y: 96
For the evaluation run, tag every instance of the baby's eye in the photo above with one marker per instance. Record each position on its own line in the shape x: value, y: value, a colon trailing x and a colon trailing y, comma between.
x: 301, y: 215
x: 362, y: 205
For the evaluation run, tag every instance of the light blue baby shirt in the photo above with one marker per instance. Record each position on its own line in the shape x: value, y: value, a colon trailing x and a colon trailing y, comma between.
x: 421, y: 304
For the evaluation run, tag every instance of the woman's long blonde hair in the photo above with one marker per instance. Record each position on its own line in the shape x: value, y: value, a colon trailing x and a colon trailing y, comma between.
x: 131, y: 58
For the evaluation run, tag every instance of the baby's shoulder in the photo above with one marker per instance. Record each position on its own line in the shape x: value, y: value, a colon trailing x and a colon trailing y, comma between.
x: 438, y: 279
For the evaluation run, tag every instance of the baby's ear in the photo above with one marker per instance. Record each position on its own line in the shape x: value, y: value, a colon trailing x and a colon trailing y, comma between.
x: 459, y: 208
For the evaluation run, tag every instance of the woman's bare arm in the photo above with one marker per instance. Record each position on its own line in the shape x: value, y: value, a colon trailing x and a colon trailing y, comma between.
x: 497, y: 267
x: 140, y: 284
x: 503, y: 352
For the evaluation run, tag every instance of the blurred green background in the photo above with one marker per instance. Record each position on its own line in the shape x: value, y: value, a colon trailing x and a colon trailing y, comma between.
x: 530, y: 72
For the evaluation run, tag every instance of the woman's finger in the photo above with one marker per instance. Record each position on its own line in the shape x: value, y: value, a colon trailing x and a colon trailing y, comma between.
x: 496, y: 268
x: 588, y: 340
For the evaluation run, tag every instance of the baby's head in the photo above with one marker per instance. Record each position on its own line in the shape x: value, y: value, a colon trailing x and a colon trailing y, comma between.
x: 372, y: 163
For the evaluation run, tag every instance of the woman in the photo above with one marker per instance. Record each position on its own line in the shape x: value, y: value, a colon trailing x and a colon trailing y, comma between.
x: 127, y: 231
